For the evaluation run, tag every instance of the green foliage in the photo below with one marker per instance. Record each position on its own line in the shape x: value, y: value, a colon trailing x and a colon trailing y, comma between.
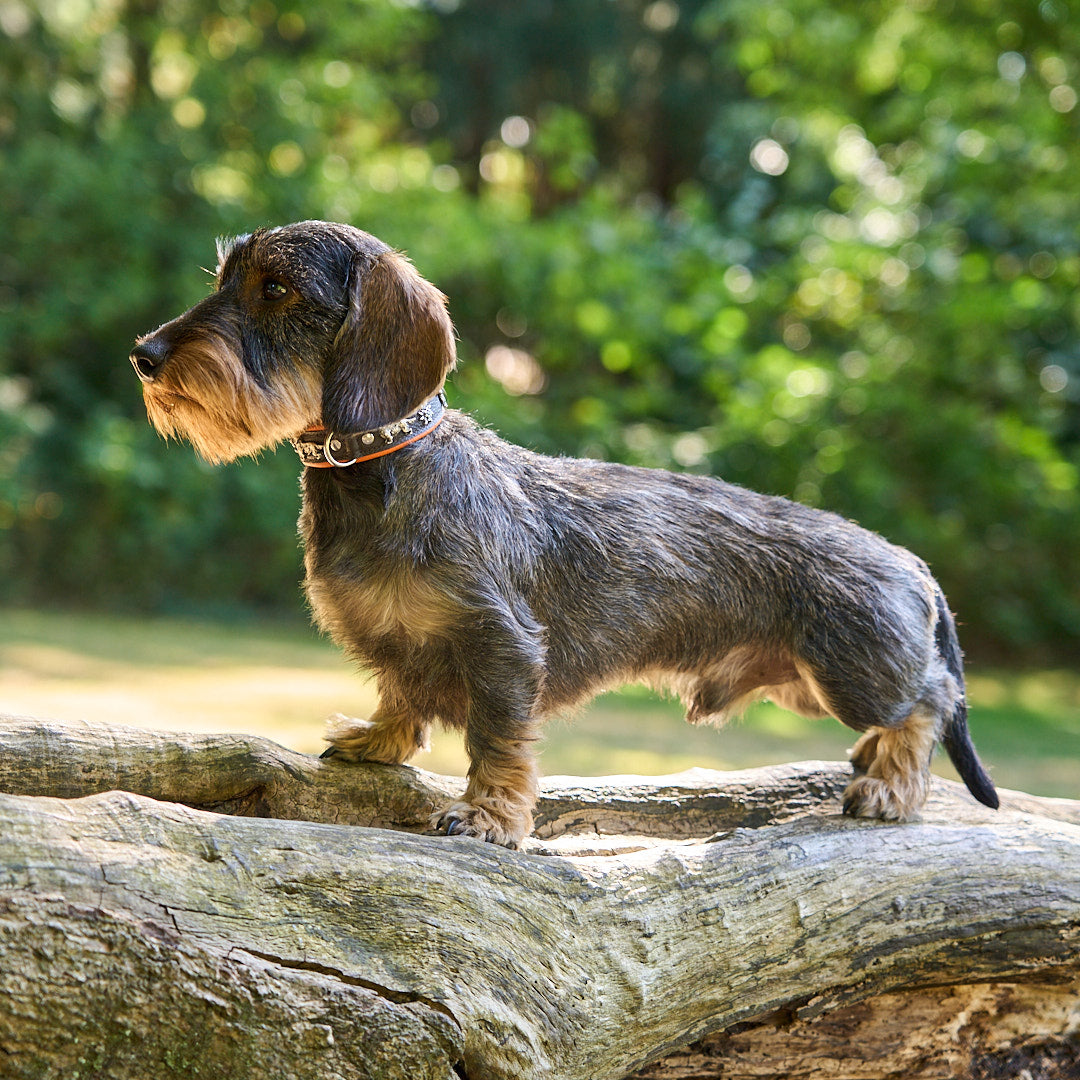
x: 826, y: 249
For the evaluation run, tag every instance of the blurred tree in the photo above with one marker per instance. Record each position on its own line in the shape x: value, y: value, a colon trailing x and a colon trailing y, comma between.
x: 827, y: 249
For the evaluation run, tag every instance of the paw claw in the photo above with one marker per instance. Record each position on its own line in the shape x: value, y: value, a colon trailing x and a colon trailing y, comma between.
x: 480, y: 823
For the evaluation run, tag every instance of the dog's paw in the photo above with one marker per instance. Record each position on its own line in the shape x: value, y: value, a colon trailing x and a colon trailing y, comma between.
x: 871, y: 797
x: 349, y: 739
x: 483, y: 823
x: 387, y: 740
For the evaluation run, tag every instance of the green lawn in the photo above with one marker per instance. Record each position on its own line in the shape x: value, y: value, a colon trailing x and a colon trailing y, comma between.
x: 281, y: 681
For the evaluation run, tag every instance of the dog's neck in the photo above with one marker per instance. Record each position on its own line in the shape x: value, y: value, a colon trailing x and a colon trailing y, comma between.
x: 318, y: 448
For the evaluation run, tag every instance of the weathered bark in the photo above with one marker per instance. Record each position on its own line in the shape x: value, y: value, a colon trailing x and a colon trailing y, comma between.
x: 998, y: 1031
x: 142, y: 937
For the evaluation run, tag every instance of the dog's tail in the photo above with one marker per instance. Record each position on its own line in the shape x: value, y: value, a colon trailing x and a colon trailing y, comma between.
x: 955, y: 736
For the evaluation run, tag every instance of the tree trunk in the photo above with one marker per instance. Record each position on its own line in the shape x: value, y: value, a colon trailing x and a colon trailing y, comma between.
x: 221, y: 914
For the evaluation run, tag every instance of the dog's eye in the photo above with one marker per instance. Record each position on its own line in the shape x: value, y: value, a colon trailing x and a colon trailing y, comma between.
x: 274, y: 290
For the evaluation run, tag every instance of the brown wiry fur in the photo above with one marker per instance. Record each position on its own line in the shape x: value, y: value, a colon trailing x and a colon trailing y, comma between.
x: 392, y: 736
x: 501, y: 794
x: 896, y: 764
x: 395, y: 314
x: 407, y: 605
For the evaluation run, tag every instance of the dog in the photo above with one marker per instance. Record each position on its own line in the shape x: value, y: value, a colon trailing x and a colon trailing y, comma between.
x: 488, y: 586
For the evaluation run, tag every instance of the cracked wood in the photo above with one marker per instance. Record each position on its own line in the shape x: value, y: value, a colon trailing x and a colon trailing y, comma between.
x: 589, y: 955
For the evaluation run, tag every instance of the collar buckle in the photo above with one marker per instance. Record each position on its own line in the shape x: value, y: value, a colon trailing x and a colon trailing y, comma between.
x: 331, y: 443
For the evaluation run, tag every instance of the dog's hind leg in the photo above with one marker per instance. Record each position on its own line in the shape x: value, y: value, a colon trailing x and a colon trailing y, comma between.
x: 894, y: 768
x: 892, y: 758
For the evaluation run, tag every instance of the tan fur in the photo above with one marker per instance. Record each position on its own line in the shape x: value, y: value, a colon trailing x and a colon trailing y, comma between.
x: 206, y: 396
x: 399, y: 605
x: 498, y: 802
x: 744, y: 676
x: 897, y: 770
x: 391, y: 737
x: 800, y: 696
x: 864, y: 751
x: 396, y: 606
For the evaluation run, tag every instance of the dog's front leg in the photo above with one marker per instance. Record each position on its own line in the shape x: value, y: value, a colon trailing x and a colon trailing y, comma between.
x: 503, y: 680
x: 391, y: 737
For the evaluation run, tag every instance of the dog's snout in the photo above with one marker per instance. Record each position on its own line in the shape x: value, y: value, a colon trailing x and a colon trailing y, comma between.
x: 148, y: 358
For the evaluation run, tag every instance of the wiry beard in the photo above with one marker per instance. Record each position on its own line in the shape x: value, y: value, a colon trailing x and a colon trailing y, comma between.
x: 207, y: 396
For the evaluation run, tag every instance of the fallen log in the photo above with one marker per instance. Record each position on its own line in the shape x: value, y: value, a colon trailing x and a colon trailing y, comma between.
x: 217, y: 905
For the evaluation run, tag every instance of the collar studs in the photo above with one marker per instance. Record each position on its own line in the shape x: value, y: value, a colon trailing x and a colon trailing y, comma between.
x: 321, y: 449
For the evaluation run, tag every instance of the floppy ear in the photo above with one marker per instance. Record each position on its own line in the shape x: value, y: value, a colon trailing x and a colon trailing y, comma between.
x: 394, y: 349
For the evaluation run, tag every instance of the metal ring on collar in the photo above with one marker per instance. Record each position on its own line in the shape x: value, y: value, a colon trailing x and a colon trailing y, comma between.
x: 330, y: 457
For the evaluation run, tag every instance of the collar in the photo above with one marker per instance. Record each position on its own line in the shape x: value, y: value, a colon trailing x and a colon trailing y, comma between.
x: 322, y: 449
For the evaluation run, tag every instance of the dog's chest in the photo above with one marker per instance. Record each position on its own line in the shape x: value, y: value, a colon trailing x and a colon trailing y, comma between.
x: 400, y: 605
x: 363, y: 580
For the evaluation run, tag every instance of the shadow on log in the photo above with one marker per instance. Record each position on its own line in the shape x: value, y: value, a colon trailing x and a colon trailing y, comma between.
x: 182, y: 906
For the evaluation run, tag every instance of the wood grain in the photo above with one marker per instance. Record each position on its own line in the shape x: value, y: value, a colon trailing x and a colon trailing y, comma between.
x: 645, y: 916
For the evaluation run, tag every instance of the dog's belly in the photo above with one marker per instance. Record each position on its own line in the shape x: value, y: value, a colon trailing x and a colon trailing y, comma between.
x: 720, y: 689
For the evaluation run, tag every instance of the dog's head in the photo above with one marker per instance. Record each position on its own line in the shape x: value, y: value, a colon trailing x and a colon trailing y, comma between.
x: 309, y: 324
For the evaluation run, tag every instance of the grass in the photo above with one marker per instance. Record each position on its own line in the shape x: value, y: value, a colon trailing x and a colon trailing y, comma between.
x: 282, y: 681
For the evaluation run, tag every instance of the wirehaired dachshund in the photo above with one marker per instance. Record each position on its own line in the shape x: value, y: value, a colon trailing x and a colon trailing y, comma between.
x: 487, y: 586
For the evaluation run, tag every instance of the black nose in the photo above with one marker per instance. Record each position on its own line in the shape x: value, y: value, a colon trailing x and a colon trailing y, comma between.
x: 148, y: 358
